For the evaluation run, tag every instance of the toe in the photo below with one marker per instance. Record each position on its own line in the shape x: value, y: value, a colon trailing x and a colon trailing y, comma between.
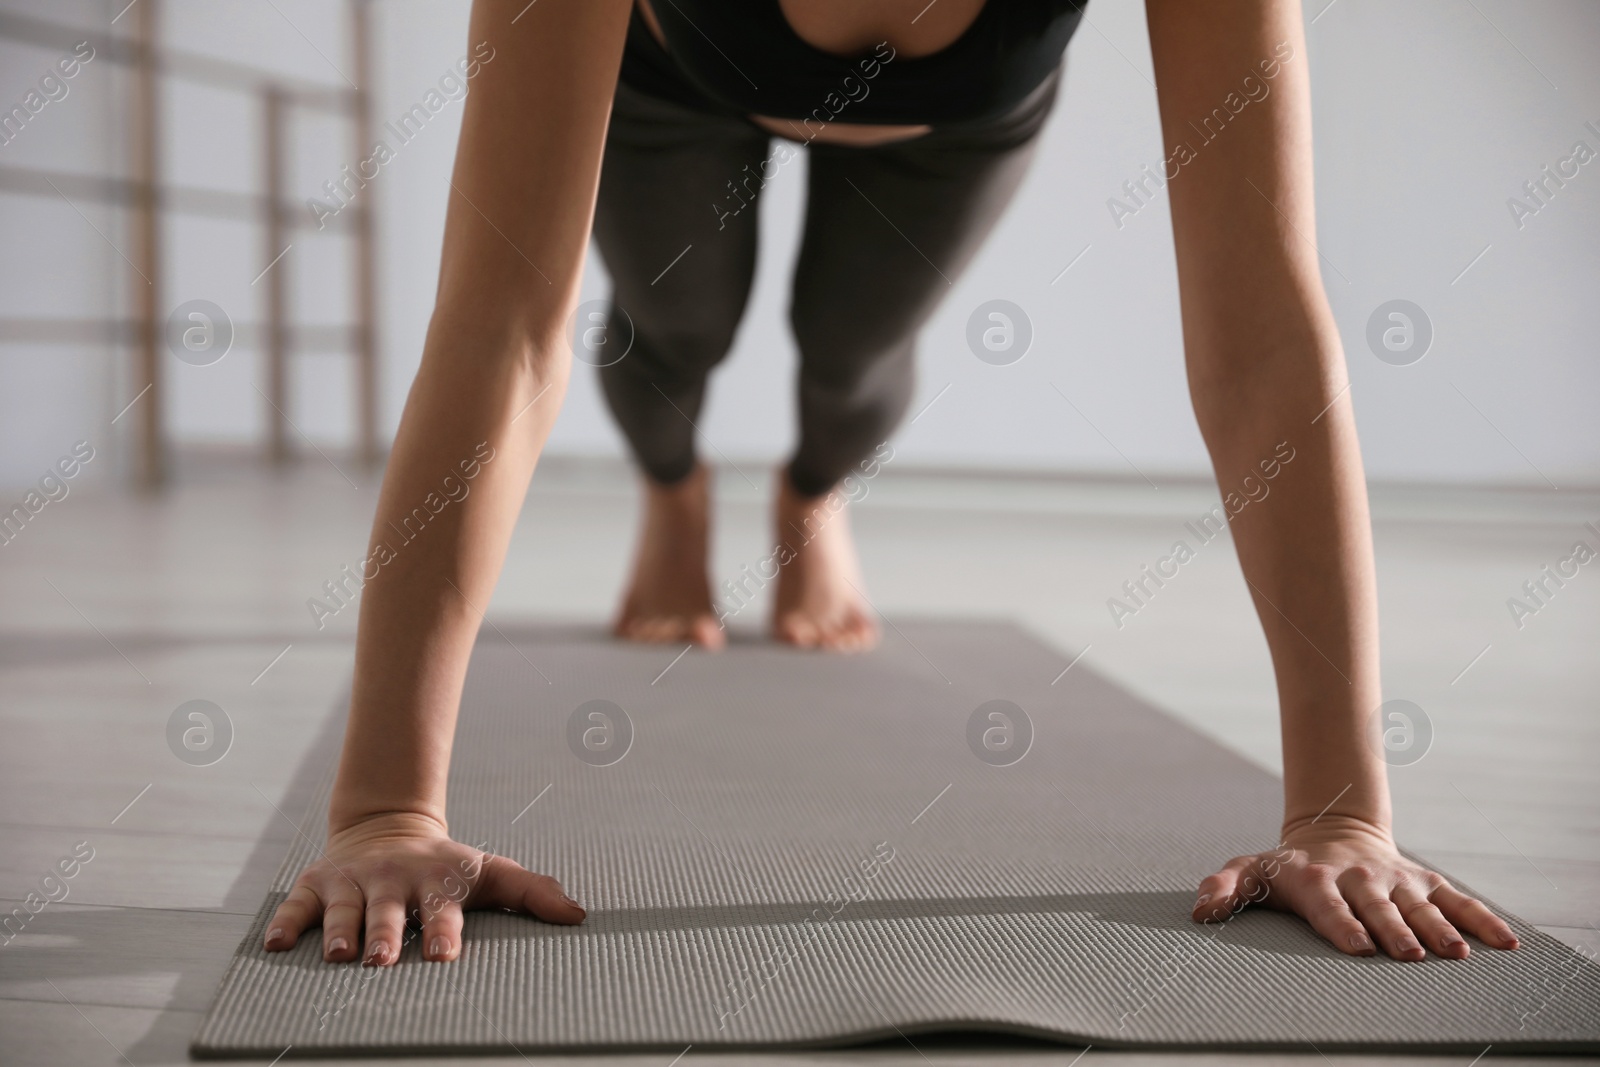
x: 864, y: 631
x: 707, y: 633
x: 834, y: 638
x: 655, y: 630
x: 797, y: 629
x: 846, y: 636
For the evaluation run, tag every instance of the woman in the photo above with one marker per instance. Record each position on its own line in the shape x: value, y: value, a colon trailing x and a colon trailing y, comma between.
x: 936, y: 145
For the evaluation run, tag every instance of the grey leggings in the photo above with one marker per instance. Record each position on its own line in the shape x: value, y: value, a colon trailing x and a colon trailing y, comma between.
x: 888, y: 229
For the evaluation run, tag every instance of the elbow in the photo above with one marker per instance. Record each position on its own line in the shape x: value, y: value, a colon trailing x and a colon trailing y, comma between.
x: 460, y: 339
x: 1248, y: 389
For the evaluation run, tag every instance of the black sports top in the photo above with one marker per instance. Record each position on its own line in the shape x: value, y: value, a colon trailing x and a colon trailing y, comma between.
x: 742, y: 57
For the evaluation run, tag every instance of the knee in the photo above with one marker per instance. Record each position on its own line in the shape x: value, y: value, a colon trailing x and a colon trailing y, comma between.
x: 680, y: 341
x: 848, y: 354
x: 854, y: 376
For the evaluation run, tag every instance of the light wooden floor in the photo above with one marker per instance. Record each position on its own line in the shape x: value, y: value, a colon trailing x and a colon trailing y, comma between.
x: 115, y: 610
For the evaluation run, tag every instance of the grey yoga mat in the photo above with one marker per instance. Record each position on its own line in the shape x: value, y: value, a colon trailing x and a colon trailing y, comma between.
x: 780, y: 848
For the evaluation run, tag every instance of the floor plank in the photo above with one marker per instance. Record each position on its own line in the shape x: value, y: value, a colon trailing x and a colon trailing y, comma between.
x: 120, y: 957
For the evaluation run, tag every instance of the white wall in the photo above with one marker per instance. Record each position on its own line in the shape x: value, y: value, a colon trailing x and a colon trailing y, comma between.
x: 1428, y: 117
x: 54, y: 264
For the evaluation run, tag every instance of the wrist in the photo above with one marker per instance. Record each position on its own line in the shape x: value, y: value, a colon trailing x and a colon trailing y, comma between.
x: 349, y: 809
x: 1333, y: 777
x: 1341, y: 826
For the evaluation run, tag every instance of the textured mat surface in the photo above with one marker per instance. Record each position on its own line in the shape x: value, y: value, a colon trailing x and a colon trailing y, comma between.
x: 800, y: 849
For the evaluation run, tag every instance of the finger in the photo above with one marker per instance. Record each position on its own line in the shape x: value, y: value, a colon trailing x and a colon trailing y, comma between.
x: 386, y: 924
x: 1228, y: 890
x: 1428, y: 922
x: 341, y: 920
x: 507, y: 885
x: 1314, y: 895
x: 1473, y: 916
x: 1369, y: 899
x: 441, y: 923
x: 301, y: 909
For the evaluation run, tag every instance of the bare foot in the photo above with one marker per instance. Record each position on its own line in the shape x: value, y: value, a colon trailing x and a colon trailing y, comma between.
x: 818, y: 603
x: 669, y: 598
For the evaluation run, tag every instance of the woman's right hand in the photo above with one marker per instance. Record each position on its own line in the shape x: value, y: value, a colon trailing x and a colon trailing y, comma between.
x: 375, y: 873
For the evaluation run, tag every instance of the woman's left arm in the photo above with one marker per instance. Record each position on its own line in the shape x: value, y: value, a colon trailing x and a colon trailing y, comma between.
x: 1268, y: 382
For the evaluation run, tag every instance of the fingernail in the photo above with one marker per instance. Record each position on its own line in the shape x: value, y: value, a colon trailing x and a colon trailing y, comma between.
x: 1407, y: 944
x: 1510, y: 941
x: 1202, y: 900
x: 274, y: 935
x: 1451, y: 940
x: 438, y: 948
x: 1360, y: 942
x: 569, y: 902
x: 337, y: 945
x: 377, y: 952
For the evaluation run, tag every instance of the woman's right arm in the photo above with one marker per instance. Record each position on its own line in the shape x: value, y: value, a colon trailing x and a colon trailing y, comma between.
x: 493, y: 373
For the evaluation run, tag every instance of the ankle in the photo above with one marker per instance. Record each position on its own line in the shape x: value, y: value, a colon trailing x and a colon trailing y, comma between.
x: 691, y: 490
x: 801, y: 491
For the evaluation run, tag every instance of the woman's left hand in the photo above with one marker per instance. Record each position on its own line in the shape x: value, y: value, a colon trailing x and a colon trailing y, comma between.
x: 1350, y: 882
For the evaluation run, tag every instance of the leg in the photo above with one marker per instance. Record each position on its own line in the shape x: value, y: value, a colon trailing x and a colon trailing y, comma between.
x: 888, y: 230
x: 681, y: 271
